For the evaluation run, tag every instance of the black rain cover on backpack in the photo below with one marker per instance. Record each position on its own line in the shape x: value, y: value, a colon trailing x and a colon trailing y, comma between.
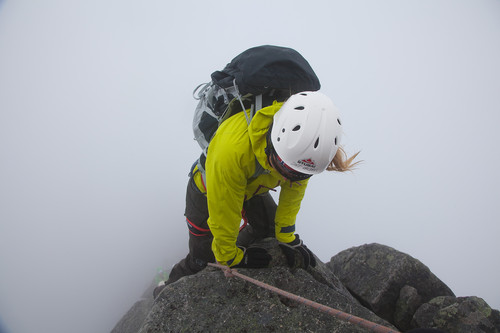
x: 261, y: 68
x: 272, y: 71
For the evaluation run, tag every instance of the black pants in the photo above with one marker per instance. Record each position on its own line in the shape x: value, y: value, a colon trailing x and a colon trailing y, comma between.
x: 259, y: 212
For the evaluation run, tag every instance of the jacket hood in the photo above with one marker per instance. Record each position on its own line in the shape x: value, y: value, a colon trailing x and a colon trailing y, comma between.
x: 257, y: 132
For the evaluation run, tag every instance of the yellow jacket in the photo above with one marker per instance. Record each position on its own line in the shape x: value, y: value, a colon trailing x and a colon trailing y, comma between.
x: 230, y: 165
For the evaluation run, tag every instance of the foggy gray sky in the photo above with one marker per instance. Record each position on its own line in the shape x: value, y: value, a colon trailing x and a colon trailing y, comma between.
x: 96, y: 141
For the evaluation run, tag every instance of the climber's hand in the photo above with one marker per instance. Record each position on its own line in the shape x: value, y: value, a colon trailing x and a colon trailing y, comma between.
x: 297, y: 247
x: 254, y: 257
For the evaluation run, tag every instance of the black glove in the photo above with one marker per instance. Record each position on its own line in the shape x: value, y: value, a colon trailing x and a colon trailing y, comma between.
x: 297, y: 247
x: 254, y: 257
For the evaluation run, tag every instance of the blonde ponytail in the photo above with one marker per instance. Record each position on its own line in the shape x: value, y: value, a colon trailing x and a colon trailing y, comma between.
x: 341, y: 162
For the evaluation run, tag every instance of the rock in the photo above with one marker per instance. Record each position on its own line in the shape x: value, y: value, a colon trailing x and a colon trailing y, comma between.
x: 385, y: 281
x: 408, y: 302
x: 131, y: 322
x: 210, y: 302
x: 458, y: 315
x: 133, y: 319
x: 377, y: 274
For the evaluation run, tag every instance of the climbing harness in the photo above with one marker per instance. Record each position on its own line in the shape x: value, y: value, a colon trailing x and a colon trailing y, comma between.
x: 371, y: 326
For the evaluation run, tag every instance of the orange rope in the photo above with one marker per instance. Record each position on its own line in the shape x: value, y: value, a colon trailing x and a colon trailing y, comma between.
x: 373, y: 327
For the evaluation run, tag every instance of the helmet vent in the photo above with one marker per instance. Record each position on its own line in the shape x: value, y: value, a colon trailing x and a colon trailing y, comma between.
x: 338, y: 120
x: 316, y: 143
x: 299, y: 108
x: 296, y: 128
x: 303, y: 94
x: 335, y: 140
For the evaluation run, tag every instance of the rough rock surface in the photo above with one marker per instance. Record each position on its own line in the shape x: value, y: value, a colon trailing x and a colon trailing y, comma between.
x: 211, y: 302
x: 383, y: 279
x: 408, y: 302
x: 132, y: 320
x: 458, y: 315
x: 380, y: 276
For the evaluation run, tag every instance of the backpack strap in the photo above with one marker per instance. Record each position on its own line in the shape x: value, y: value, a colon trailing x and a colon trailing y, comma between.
x: 258, y: 103
x: 259, y: 170
x: 238, y: 95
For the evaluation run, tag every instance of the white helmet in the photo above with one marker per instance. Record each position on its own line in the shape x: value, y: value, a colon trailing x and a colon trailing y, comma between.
x: 306, y: 132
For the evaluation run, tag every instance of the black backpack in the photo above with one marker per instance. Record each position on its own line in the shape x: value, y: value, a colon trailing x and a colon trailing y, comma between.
x: 252, y: 80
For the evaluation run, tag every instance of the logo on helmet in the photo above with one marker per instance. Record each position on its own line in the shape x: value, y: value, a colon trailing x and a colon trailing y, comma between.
x: 307, y: 163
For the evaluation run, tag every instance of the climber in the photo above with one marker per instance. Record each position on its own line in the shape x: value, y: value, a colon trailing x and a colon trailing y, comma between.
x: 291, y: 141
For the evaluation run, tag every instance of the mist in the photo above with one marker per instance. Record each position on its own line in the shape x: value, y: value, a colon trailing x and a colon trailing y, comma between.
x: 96, y: 142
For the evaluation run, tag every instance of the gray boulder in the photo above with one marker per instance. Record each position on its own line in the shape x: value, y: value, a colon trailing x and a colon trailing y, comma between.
x: 132, y: 320
x: 390, y: 283
x: 210, y: 302
x: 408, y: 302
x: 458, y: 315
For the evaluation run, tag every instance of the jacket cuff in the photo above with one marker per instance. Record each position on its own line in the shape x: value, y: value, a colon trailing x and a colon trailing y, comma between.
x: 234, y: 261
x: 285, y: 234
